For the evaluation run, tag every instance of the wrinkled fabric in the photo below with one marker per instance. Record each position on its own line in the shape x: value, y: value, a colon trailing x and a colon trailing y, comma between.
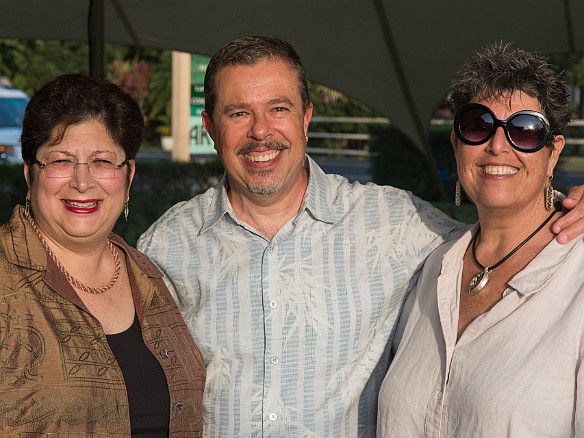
x: 58, y: 376
x: 294, y: 329
x: 516, y: 371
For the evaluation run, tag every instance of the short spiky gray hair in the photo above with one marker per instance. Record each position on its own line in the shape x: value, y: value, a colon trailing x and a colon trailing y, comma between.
x: 499, y: 69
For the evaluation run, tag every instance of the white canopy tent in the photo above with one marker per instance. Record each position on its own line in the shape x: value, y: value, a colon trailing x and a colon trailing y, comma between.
x: 397, y: 56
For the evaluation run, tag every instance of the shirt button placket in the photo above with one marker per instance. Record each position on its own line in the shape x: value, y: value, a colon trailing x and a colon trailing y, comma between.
x: 274, y: 331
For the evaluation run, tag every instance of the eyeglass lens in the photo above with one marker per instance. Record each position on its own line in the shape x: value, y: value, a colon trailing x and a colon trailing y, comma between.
x: 476, y: 125
x: 525, y: 131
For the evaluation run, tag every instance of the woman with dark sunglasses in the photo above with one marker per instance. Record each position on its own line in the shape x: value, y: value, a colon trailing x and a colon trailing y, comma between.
x: 492, y: 338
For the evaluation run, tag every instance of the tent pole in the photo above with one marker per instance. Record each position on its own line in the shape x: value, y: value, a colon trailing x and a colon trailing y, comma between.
x: 95, y: 37
x: 408, y: 96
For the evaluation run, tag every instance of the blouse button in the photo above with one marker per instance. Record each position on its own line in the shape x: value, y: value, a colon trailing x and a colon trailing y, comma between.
x: 164, y: 353
x: 178, y: 408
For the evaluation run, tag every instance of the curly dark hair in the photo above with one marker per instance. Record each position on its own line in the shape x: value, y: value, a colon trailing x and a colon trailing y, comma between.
x: 71, y: 99
x: 499, y: 69
x: 249, y: 51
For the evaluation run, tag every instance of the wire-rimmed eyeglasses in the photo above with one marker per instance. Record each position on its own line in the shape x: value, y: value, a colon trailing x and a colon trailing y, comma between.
x: 64, y: 168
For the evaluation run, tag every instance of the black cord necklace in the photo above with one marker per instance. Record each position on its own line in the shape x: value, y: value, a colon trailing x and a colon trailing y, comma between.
x: 480, y: 279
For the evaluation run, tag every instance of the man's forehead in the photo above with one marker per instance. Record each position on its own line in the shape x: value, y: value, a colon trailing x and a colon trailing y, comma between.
x: 258, y: 77
x: 262, y: 62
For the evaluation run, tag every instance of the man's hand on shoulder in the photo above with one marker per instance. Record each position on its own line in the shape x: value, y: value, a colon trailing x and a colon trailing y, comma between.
x: 571, y: 225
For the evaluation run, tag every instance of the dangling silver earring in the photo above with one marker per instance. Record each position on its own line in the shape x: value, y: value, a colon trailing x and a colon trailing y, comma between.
x: 549, y: 195
x: 126, y: 209
x: 458, y: 193
x: 27, y: 207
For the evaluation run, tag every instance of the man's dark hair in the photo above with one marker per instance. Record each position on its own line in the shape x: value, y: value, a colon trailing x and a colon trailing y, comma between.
x: 249, y: 51
x: 498, y: 69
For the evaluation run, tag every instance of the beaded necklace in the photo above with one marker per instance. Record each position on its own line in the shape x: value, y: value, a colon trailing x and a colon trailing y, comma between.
x: 69, y: 277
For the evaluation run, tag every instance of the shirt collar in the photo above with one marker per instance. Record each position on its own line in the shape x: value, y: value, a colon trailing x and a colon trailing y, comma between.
x: 545, y: 266
x: 23, y: 247
x: 218, y: 206
x: 318, y: 199
x: 538, y: 272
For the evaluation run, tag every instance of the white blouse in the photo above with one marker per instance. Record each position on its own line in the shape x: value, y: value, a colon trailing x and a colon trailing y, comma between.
x: 516, y: 370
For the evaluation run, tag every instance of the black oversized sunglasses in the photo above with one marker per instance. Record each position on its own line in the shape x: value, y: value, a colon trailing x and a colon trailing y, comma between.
x: 527, y: 131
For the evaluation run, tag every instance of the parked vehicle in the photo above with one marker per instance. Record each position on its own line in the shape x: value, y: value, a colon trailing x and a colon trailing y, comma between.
x: 12, y: 105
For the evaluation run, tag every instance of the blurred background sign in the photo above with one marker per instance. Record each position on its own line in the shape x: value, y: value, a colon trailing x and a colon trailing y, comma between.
x: 200, y: 143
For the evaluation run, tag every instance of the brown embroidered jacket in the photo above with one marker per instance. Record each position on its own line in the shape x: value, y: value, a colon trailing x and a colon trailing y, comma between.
x: 58, y: 376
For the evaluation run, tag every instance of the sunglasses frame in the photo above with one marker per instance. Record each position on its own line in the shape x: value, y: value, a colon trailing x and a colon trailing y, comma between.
x: 503, y: 124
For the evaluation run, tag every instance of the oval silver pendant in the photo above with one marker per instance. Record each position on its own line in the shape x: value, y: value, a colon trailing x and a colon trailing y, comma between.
x: 478, y: 282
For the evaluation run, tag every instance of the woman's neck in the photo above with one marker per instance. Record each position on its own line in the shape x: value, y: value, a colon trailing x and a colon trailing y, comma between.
x: 501, y: 232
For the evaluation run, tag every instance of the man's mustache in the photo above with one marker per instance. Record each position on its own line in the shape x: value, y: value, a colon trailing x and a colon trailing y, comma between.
x: 254, y: 145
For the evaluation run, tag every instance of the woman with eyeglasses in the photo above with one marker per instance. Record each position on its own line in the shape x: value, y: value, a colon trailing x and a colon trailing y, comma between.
x: 492, y: 338
x: 91, y: 341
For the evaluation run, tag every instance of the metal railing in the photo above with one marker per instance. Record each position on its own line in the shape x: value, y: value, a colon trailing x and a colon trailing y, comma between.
x: 380, y: 121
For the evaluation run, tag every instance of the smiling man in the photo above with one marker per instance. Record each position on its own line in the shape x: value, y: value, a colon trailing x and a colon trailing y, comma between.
x: 290, y: 280
x: 259, y: 123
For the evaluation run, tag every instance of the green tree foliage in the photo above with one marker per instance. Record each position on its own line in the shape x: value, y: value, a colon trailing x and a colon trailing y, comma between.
x: 144, y: 73
x: 12, y: 189
x: 158, y: 185
x: 331, y: 103
x: 398, y: 162
x: 31, y: 63
x: 572, y: 67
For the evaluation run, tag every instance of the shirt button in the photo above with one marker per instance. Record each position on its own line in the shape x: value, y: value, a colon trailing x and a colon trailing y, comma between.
x: 273, y: 416
x: 164, y: 353
x: 178, y: 408
x: 275, y: 360
x: 270, y: 248
x: 273, y: 304
x: 439, y: 396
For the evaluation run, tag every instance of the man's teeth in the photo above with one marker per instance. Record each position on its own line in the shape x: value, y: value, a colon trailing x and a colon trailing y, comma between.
x: 82, y: 204
x: 262, y: 158
x: 499, y: 170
